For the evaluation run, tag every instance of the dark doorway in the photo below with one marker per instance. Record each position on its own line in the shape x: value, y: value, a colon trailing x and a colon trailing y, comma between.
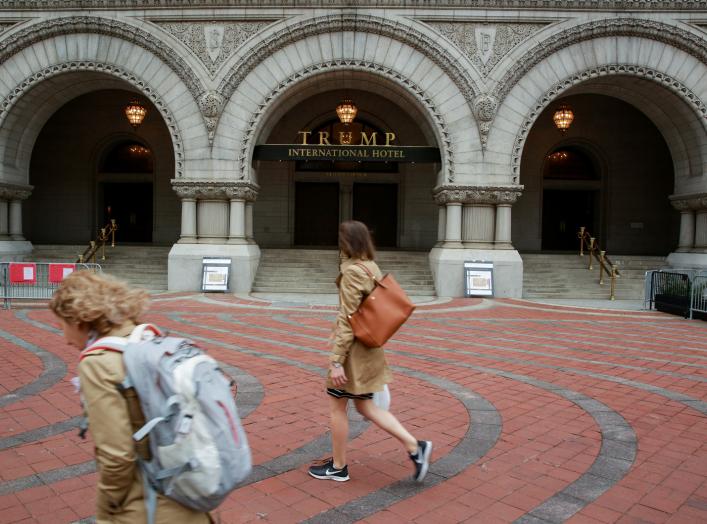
x: 316, y: 213
x: 376, y: 205
x: 130, y: 204
x: 564, y: 212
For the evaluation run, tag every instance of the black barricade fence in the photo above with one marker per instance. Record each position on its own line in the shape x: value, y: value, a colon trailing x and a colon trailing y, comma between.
x: 670, y: 292
x: 35, y: 280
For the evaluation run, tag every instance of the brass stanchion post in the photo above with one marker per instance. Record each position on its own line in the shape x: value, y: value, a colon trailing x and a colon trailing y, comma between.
x: 103, y: 239
x: 601, y: 267
x: 112, y: 230
x: 613, y: 281
x: 581, y: 241
x: 591, y: 251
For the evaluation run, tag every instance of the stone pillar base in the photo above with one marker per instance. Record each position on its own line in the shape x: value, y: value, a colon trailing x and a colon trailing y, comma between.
x: 184, y: 269
x: 15, y: 250
x: 687, y: 260
x: 448, y: 270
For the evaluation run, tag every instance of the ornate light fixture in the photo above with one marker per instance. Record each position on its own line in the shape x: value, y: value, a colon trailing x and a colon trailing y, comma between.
x: 135, y: 112
x: 346, y: 111
x: 563, y: 117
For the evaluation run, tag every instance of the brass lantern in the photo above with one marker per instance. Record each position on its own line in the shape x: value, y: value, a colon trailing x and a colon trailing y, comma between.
x: 346, y: 111
x: 563, y: 117
x: 135, y: 112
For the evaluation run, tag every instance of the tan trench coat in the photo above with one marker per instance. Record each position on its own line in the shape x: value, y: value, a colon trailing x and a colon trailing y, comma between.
x: 120, y: 491
x: 365, y: 368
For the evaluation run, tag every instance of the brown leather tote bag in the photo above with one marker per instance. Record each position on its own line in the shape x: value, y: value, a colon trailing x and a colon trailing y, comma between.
x: 381, y: 312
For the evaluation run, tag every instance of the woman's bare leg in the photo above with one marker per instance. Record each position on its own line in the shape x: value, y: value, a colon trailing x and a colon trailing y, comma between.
x: 339, y: 430
x: 387, y: 422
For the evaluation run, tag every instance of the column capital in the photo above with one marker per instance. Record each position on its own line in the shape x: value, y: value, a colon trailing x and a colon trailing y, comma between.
x: 449, y: 194
x: 15, y: 191
x: 690, y: 202
x: 216, y: 189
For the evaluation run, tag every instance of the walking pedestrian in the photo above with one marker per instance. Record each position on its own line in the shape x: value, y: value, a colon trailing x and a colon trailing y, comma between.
x: 356, y: 371
x: 89, y: 307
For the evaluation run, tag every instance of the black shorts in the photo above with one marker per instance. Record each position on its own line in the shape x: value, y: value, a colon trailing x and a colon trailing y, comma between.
x: 341, y: 393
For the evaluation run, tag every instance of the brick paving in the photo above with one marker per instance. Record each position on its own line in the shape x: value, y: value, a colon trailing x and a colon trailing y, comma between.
x: 539, y: 414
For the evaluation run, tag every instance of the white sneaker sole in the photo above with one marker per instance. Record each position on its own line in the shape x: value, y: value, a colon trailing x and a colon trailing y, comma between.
x: 326, y: 477
x: 425, y: 463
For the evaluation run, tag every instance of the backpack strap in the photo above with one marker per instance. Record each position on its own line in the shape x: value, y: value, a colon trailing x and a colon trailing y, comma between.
x: 116, y: 344
x: 144, y: 332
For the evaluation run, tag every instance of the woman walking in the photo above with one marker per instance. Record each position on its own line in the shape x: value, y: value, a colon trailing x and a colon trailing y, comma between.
x: 89, y: 307
x: 357, y: 371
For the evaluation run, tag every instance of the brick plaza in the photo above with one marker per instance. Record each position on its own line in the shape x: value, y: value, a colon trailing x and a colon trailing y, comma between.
x: 538, y: 414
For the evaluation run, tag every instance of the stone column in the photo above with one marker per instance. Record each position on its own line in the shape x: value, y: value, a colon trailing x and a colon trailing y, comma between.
x: 16, y: 220
x: 478, y: 225
x: 236, y: 229
x: 453, y: 233
x: 441, y: 224
x: 700, y: 231
x: 188, y: 234
x: 213, y: 211
x: 249, y: 221
x: 503, y: 227
x: 486, y: 217
x: 4, y: 223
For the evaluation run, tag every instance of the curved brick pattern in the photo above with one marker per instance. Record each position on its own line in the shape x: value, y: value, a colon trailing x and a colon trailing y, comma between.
x: 539, y: 414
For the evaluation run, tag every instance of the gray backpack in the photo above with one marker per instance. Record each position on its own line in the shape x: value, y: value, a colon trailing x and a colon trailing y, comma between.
x: 199, y: 451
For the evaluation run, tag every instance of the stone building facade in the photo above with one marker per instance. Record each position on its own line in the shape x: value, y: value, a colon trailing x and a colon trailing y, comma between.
x: 477, y: 79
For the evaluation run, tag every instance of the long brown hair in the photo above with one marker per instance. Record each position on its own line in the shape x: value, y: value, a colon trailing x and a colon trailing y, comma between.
x: 355, y: 240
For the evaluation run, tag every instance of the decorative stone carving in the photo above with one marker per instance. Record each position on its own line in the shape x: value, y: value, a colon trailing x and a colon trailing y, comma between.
x: 113, y: 70
x: 613, y: 69
x: 20, y: 40
x: 450, y: 194
x: 445, y: 147
x: 632, y: 27
x: 211, y: 105
x: 212, y: 42
x: 395, y: 30
x: 638, y: 5
x: 484, y: 110
x: 15, y: 191
x: 216, y: 189
x: 693, y: 202
x: 486, y: 44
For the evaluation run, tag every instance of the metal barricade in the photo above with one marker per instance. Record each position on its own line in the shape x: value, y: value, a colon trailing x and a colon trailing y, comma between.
x: 40, y: 282
x: 698, y: 297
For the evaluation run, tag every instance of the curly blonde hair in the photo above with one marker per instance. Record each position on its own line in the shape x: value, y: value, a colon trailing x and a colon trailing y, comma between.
x: 101, y: 301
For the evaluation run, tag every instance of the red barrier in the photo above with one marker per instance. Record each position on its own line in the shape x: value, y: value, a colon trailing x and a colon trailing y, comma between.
x: 23, y: 273
x: 58, y: 272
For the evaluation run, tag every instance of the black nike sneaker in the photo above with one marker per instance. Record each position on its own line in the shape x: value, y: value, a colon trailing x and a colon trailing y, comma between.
x: 327, y: 471
x: 421, y: 459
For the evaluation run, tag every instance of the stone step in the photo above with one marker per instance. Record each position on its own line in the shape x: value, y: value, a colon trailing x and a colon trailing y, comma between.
x: 314, y: 271
x: 567, y: 276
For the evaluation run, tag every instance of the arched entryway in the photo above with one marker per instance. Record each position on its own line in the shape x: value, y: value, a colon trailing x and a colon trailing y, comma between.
x: 300, y: 203
x: 610, y: 172
x: 89, y: 165
x: 571, y: 196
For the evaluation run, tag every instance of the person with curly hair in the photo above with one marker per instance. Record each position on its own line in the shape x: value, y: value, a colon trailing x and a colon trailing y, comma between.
x: 90, y: 306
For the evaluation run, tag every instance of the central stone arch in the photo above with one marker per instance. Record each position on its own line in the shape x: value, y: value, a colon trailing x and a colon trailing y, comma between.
x: 412, y: 60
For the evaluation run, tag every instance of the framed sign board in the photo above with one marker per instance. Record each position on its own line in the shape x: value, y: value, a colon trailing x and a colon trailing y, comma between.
x: 478, y: 279
x: 215, y: 274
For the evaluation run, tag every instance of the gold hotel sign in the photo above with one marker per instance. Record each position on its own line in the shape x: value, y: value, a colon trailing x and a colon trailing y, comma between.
x: 367, y: 150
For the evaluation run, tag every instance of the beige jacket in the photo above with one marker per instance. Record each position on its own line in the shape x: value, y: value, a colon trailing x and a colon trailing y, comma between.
x: 120, y: 491
x: 366, y: 368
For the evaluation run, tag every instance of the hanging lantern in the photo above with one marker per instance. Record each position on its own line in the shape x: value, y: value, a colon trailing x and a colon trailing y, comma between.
x: 135, y: 112
x: 563, y: 117
x: 346, y: 111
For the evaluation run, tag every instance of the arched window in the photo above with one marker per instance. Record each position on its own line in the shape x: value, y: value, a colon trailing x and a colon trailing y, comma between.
x: 569, y: 163
x: 127, y: 157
